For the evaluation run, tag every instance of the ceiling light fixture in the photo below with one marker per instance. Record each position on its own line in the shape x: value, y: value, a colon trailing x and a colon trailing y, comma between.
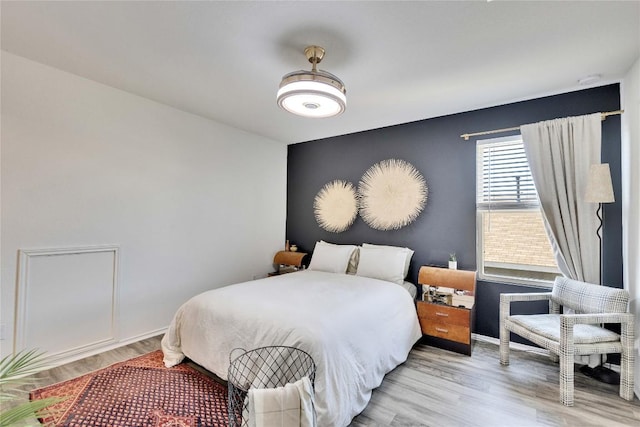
x: 314, y: 93
x: 587, y: 80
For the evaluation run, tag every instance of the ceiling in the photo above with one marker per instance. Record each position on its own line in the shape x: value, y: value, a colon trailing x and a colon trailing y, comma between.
x: 400, y: 61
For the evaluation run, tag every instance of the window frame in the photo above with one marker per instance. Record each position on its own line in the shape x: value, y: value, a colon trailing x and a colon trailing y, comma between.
x: 527, y: 206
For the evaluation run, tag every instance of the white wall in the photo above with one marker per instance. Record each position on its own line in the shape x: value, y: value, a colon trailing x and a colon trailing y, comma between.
x: 193, y: 204
x: 631, y: 198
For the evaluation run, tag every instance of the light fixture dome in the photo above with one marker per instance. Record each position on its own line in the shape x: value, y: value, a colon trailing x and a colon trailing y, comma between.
x: 314, y: 93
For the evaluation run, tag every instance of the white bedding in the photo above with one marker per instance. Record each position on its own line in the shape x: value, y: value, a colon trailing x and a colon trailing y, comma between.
x: 356, y: 329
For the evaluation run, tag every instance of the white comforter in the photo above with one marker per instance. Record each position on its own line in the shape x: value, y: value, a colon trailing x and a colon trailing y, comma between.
x: 356, y: 329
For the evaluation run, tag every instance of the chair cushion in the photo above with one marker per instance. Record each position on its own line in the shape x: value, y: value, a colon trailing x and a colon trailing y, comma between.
x: 548, y: 325
x: 589, y: 298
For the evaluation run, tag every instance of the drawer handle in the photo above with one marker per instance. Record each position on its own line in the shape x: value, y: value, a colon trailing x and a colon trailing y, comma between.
x: 444, y: 331
x: 442, y: 314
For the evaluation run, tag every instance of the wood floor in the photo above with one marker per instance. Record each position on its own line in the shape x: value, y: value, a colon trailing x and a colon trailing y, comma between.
x: 439, y: 388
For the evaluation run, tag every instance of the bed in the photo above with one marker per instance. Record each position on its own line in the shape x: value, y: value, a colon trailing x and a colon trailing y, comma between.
x: 356, y: 328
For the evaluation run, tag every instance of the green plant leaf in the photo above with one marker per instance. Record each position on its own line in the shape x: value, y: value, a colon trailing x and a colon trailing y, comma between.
x: 26, y: 410
x: 24, y: 363
x: 15, y: 370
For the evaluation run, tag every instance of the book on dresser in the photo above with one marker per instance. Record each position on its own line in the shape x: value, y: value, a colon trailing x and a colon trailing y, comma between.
x: 446, y: 310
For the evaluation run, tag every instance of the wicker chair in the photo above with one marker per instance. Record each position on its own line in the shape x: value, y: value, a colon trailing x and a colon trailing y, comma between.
x: 566, y: 335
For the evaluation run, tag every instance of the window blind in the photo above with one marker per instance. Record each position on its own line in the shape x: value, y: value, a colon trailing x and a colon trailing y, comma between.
x: 503, y: 176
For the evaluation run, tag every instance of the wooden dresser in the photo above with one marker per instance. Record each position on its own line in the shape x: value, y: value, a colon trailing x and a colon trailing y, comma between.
x: 448, y: 324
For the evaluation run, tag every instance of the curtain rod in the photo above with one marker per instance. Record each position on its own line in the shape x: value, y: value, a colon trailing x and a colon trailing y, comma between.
x: 466, y: 136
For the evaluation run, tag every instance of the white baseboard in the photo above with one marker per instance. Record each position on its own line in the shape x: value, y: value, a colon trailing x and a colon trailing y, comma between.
x: 55, y: 361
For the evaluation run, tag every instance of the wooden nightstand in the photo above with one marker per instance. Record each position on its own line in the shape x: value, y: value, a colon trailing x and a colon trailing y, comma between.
x: 287, y: 262
x: 443, y: 325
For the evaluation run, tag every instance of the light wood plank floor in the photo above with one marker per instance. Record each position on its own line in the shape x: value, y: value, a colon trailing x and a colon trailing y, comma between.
x: 439, y: 388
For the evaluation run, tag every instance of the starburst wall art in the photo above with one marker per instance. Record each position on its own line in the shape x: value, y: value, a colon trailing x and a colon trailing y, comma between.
x: 336, y: 206
x: 392, y: 194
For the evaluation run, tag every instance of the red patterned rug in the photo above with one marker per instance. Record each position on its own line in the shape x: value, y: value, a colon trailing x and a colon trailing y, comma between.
x: 139, y: 392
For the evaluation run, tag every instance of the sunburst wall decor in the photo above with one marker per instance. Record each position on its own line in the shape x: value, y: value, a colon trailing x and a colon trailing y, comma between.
x: 336, y: 206
x: 392, y: 194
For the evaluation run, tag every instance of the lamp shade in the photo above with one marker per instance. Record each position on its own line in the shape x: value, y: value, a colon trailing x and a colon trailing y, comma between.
x: 599, y: 187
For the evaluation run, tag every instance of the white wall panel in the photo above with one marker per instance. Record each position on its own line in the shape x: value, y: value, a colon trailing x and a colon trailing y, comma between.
x: 56, y: 287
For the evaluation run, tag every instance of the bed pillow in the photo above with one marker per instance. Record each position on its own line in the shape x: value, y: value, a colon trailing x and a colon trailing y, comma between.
x: 408, y: 253
x: 331, y: 258
x: 353, y: 260
x: 382, y: 263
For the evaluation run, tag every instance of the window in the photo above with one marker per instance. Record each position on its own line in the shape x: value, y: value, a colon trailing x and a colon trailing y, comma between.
x: 512, y: 242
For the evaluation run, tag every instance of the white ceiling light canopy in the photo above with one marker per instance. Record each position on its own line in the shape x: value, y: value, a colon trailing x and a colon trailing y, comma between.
x: 590, y: 79
x: 314, y: 93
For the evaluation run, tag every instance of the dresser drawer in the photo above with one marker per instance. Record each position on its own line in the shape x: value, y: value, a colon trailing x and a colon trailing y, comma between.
x: 442, y: 321
x: 442, y: 314
x: 456, y: 333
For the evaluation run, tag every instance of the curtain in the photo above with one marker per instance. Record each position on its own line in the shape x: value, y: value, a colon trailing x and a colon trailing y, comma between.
x: 559, y: 153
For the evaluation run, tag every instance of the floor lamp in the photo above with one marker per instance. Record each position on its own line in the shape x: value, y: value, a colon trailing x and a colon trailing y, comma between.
x: 600, y: 190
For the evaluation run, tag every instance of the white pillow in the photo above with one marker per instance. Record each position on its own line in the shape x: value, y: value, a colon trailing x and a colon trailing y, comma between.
x: 353, y: 260
x: 382, y: 263
x: 408, y: 253
x: 331, y: 258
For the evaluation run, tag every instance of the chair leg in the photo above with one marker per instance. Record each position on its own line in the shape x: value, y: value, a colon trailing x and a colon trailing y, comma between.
x: 505, y: 307
x: 504, y: 346
x: 626, y: 376
x: 566, y: 379
x: 627, y: 362
x: 567, y: 351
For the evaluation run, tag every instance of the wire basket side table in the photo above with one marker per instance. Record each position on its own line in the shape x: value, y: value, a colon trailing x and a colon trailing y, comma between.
x: 264, y: 367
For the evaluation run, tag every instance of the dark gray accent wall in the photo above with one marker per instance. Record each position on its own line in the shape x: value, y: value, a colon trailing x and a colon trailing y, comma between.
x: 448, y: 223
